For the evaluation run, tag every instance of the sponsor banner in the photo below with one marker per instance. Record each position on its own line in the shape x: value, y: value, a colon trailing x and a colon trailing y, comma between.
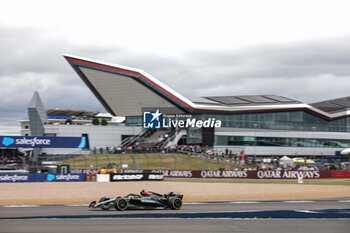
x: 292, y: 174
x: 41, y: 177
x: 202, y: 173
x: 136, y: 171
x: 242, y: 174
x: 136, y: 176
x: 43, y: 142
x: 340, y: 174
x: 65, y: 177
x: 14, y: 178
x: 87, y: 171
x: 247, y: 174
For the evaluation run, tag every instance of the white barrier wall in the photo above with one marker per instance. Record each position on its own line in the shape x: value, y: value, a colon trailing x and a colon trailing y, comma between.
x: 103, y: 178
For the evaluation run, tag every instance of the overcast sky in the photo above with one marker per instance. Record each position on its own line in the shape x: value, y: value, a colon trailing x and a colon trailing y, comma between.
x: 297, y: 49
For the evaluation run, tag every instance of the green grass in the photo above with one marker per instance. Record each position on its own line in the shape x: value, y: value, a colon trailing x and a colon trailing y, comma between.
x: 147, y: 161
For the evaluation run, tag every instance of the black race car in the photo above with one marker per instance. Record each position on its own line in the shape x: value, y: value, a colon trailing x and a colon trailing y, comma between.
x: 144, y: 200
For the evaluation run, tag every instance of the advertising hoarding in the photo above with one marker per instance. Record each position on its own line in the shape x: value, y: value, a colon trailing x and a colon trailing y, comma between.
x: 42, y: 142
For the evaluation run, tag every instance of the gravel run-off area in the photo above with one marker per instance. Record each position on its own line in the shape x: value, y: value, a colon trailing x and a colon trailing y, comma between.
x: 84, y: 192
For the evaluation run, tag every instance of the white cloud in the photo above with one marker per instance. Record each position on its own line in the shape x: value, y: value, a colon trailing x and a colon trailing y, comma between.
x: 171, y: 27
x: 310, y: 89
x: 54, y: 88
x: 10, y: 130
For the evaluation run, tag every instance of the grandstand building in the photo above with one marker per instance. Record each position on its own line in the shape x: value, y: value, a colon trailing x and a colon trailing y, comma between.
x: 77, y: 123
x: 261, y: 125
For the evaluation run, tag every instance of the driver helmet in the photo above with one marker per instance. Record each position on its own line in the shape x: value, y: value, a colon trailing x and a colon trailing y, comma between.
x: 144, y: 193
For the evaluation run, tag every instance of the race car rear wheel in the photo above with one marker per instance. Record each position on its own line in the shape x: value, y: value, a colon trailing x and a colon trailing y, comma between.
x: 120, y: 204
x: 104, y: 206
x: 174, y: 203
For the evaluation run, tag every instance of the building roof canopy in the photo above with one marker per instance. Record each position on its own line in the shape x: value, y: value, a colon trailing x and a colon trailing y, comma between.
x: 334, y: 105
x: 126, y: 91
x: 71, y: 112
x: 247, y: 100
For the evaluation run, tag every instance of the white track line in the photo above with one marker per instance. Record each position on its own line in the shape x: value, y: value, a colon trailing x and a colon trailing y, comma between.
x: 20, y: 206
x: 298, y: 201
x: 244, y: 202
x: 194, y: 203
x: 306, y: 211
x: 78, y: 205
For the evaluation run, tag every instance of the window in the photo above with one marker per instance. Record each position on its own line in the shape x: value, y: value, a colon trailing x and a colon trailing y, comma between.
x: 293, y: 120
x: 274, y: 141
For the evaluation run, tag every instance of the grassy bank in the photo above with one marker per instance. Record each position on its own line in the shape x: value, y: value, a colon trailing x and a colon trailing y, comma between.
x: 147, y: 161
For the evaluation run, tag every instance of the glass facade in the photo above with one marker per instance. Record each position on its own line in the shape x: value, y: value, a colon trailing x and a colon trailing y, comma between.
x: 133, y: 121
x: 292, y: 120
x: 278, y: 141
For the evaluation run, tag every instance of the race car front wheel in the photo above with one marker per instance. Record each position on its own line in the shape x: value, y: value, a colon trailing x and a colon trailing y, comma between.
x: 120, y: 204
x: 105, y: 206
x: 174, y: 203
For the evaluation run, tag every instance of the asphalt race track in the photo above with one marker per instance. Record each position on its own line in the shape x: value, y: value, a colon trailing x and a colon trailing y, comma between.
x: 331, y: 215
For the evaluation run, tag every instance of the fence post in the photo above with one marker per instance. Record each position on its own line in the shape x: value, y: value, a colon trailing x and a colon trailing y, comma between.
x: 175, y: 162
x: 108, y: 159
x: 23, y: 162
x: 121, y: 160
x: 85, y: 162
x: 160, y: 161
x: 134, y: 165
x: 231, y: 164
x: 147, y: 159
x: 206, y: 162
x: 74, y: 162
x: 96, y: 161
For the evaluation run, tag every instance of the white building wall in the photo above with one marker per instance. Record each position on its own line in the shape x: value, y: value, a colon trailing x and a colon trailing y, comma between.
x: 280, y: 133
x: 277, y: 150
x: 99, y: 136
x: 280, y: 151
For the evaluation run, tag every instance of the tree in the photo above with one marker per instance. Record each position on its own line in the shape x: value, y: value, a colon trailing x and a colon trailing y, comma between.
x: 68, y: 121
x: 95, y: 121
x: 104, y: 122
